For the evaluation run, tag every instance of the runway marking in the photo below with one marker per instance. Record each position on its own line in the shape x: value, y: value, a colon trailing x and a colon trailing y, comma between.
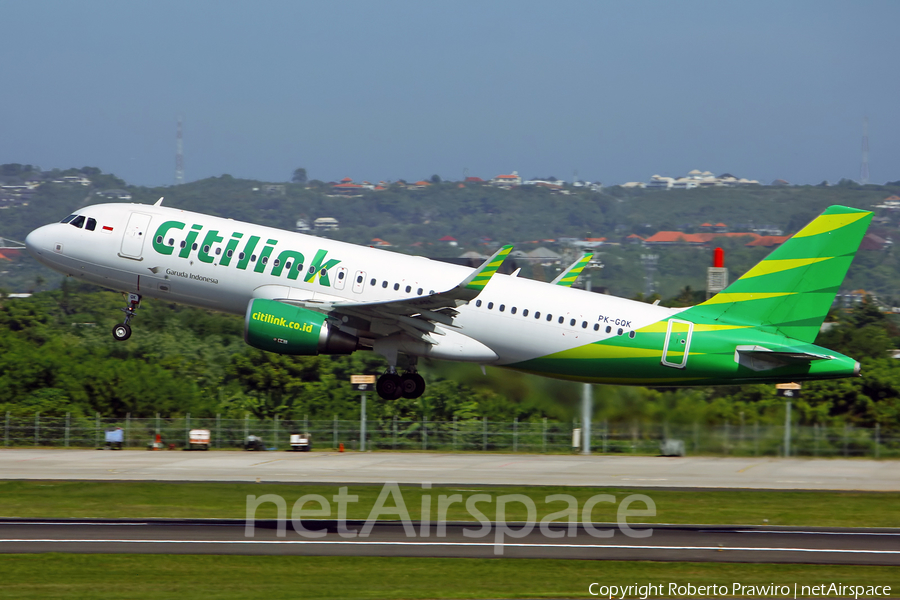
x: 814, y: 532
x: 461, y: 544
x: 71, y: 523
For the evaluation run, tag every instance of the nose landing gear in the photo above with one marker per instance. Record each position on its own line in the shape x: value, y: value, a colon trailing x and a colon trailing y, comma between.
x: 122, y: 331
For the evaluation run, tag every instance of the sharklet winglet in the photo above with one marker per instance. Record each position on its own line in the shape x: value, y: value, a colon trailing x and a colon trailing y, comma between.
x: 568, y: 277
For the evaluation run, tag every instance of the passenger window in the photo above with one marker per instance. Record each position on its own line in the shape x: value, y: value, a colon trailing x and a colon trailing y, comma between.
x: 91, y: 224
x: 183, y: 244
x: 513, y: 310
x: 230, y: 253
x: 287, y: 265
x: 172, y: 243
x: 584, y: 324
x: 265, y: 260
x: 218, y: 251
x: 619, y: 332
x: 608, y: 329
x: 276, y: 263
x: 420, y: 291
x: 159, y: 239
x: 596, y: 326
x: 631, y: 334
x: 524, y: 312
x: 502, y: 307
x: 240, y: 256
x: 396, y: 286
x: 373, y: 282
x: 194, y: 247
x: 490, y: 305
x: 300, y: 268
x: 571, y: 323
x: 537, y: 315
x: 359, y: 279
x: 384, y: 284
x: 205, y: 249
x: 340, y: 274
x: 478, y: 303
x: 549, y: 318
x: 408, y: 289
x: 78, y: 222
x: 252, y: 257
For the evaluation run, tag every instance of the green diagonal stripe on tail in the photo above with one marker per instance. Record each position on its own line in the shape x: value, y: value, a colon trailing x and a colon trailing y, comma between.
x: 791, y: 291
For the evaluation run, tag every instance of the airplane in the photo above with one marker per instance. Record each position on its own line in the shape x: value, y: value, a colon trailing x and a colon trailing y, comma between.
x: 305, y: 295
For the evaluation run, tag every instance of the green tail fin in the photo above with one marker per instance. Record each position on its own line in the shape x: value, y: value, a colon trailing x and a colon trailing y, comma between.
x: 792, y: 289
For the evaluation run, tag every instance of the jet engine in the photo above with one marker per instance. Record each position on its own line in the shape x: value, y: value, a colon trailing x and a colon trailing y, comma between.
x: 285, y: 329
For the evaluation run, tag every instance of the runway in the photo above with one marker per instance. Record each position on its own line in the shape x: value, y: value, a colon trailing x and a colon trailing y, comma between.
x: 662, y: 543
x: 454, y: 469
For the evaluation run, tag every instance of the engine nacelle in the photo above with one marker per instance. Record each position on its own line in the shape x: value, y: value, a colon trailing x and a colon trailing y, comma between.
x: 278, y: 327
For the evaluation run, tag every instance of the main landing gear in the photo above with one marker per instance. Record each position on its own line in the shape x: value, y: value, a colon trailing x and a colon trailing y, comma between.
x: 391, y: 386
x: 122, y: 331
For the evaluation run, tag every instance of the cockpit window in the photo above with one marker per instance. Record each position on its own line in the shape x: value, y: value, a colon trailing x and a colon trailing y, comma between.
x: 78, y: 221
x: 91, y: 224
x: 69, y: 218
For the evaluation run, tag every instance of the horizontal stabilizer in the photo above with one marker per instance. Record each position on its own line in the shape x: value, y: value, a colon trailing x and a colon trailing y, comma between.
x: 759, y: 358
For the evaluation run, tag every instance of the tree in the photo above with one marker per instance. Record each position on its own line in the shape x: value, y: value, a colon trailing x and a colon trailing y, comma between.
x: 299, y: 175
x: 435, y: 178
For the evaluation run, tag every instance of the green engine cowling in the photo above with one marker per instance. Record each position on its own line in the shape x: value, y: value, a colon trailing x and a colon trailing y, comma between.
x: 278, y: 327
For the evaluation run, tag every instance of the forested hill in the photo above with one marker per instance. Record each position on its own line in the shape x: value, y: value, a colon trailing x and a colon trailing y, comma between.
x: 481, y: 216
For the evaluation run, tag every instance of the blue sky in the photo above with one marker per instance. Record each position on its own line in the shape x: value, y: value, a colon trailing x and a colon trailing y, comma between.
x: 617, y: 91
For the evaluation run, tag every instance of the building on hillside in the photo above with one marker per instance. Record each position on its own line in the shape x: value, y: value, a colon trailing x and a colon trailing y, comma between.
x: 73, y: 180
x: 694, y: 179
x: 769, y: 241
x: 507, y: 181
x: 671, y: 238
x: 115, y: 194
x: 326, y: 223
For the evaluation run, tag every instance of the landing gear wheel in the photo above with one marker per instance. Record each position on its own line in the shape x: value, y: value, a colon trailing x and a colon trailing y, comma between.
x: 122, y: 332
x: 412, y: 385
x: 388, y: 386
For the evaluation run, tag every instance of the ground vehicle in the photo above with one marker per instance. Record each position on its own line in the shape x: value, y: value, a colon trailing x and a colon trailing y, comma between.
x: 254, y: 442
x: 198, y: 439
x: 301, y: 442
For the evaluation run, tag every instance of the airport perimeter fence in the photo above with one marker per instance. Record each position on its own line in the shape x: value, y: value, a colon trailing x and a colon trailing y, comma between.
x: 474, y: 435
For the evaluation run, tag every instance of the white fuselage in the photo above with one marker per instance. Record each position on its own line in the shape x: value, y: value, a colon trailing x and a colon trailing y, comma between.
x: 131, y: 250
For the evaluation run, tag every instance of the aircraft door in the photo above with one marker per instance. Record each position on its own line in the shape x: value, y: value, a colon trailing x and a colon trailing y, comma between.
x: 340, y: 278
x: 359, y: 282
x: 678, y: 343
x: 133, y: 239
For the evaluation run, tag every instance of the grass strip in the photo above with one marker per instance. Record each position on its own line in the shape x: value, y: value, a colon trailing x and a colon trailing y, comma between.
x: 136, y: 577
x: 141, y: 499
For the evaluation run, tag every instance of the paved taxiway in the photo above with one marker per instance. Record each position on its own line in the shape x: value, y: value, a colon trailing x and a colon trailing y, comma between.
x: 665, y: 543
x: 437, y: 468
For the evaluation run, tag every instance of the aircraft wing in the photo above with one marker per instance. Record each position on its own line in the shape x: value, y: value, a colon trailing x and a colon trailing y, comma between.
x: 568, y: 277
x: 417, y: 315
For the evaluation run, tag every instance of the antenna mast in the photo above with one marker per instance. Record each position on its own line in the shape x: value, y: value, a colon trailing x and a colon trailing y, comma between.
x: 179, y: 156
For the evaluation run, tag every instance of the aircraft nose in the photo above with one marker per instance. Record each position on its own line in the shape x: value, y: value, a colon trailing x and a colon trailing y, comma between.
x: 37, y: 242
